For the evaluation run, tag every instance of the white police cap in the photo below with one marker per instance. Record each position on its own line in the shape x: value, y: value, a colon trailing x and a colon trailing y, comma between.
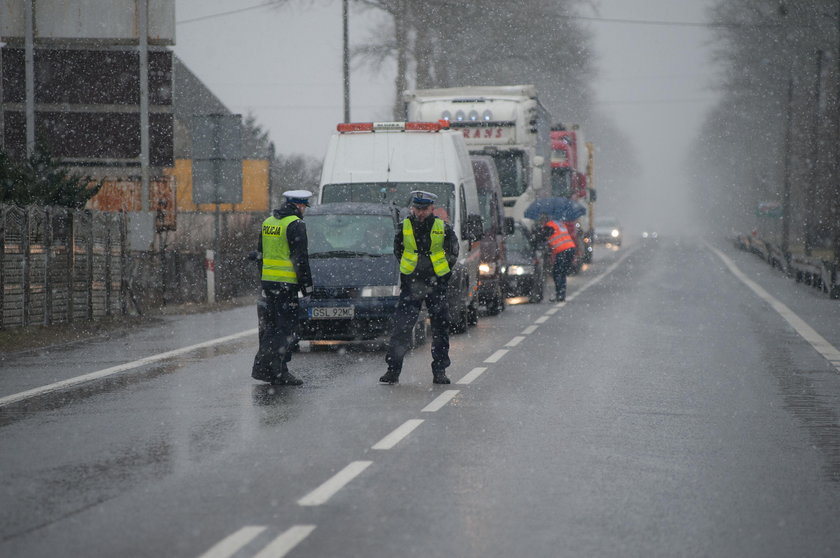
x: 421, y: 198
x: 298, y: 196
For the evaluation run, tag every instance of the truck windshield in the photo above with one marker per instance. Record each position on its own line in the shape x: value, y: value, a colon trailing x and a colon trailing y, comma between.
x: 349, y: 235
x: 386, y: 192
x: 511, y: 173
x: 561, y: 182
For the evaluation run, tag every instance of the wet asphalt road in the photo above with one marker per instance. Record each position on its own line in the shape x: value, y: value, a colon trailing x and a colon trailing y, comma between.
x: 664, y: 410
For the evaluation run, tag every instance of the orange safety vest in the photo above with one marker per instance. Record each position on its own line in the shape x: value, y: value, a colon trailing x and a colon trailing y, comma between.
x: 560, y: 240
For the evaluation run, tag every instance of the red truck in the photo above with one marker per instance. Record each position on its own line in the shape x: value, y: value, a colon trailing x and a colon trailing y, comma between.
x: 571, y: 177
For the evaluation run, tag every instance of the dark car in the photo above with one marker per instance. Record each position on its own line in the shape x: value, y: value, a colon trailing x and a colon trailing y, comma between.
x: 491, y: 289
x: 354, y: 273
x: 525, y: 275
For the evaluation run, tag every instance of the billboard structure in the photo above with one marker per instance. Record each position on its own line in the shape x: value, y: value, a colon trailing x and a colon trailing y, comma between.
x: 93, y: 81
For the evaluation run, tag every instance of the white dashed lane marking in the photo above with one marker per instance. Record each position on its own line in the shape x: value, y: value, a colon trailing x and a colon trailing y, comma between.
x: 231, y: 544
x: 541, y: 320
x: 440, y: 401
x: 495, y: 357
x: 285, y: 542
x: 529, y: 330
x: 515, y: 341
x: 327, y: 490
x: 401, y: 432
x: 471, y: 375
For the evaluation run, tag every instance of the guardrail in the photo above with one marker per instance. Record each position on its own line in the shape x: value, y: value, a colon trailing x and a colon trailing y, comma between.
x: 815, y: 272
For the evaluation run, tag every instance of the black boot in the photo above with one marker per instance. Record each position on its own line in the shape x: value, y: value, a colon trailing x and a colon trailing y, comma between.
x: 392, y: 376
x: 286, y: 378
x: 440, y: 377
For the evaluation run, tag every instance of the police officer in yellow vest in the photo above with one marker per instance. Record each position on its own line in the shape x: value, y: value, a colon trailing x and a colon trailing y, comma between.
x: 285, y: 273
x: 427, y: 249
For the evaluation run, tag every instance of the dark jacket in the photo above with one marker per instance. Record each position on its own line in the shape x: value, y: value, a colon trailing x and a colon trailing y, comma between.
x: 298, y: 248
x: 423, y: 238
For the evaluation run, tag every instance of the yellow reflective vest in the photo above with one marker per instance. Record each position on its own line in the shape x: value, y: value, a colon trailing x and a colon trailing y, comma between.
x: 410, y: 257
x: 277, y: 262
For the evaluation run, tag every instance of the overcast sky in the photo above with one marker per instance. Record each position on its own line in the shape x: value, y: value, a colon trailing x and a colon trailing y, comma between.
x: 285, y: 67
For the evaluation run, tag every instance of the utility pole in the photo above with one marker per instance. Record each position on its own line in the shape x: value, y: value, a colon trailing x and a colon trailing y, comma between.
x: 29, y: 49
x: 786, y: 186
x: 401, y: 36
x: 835, y: 206
x: 345, y: 16
x: 811, y: 186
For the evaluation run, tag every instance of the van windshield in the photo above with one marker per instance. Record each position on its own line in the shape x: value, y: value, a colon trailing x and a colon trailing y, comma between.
x: 386, y: 192
x: 349, y: 235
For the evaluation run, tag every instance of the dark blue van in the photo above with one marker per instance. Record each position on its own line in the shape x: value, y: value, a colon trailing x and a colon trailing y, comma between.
x: 354, y: 272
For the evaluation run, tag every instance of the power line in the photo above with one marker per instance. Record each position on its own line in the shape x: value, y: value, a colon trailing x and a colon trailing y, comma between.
x: 669, y: 23
x: 231, y: 12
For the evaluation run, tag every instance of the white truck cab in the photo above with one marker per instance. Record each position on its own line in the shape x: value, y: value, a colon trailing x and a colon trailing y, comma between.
x: 385, y: 161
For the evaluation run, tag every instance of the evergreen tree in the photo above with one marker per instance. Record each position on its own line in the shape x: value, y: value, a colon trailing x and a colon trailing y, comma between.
x: 42, y: 180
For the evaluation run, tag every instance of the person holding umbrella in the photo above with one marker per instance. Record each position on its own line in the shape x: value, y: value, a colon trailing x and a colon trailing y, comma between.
x: 562, y: 247
x: 552, y: 214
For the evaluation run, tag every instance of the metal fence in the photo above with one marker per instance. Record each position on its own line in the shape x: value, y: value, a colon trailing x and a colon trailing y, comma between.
x: 60, y: 265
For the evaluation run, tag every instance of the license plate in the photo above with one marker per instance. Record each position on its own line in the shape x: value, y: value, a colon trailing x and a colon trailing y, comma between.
x: 331, y: 312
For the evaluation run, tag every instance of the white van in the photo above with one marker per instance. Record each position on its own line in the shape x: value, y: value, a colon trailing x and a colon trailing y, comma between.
x: 385, y: 161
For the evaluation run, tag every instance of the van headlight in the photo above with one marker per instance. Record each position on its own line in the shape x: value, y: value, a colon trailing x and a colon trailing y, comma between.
x: 381, y: 290
x: 486, y: 268
x: 520, y: 269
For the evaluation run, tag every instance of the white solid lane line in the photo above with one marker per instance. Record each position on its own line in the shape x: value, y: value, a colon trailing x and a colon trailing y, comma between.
x: 495, y: 357
x: 119, y: 368
x: 808, y: 333
x: 440, y: 401
x: 289, y: 539
x: 231, y: 544
x: 530, y: 329
x: 394, y: 437
x: 515, y: 341
x: 327, y: 490
x: 471, y: 375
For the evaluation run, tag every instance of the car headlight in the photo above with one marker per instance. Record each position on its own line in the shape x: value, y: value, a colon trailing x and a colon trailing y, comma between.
x: 487, y: 268
x: 520, y: 269
x: 614, y: 233
x: 381, y: 290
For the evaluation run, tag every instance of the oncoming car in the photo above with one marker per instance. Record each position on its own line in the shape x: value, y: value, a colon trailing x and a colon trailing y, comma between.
x: 608, y: 231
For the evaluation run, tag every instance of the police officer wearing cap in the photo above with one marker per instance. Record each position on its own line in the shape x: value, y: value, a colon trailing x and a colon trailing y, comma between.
x: 427, y: 249
x: 284, y: 257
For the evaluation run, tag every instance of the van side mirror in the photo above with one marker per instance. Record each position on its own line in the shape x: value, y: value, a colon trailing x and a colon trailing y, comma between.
x: 593, y: 195
x: 475, y: 228
x: 538, y: 161
x: 509, y: 226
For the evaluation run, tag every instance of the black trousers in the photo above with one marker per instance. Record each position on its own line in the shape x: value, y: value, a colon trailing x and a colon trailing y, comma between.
x: 562, y: 267
x: 413, y: 293
x: 277, y: 315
